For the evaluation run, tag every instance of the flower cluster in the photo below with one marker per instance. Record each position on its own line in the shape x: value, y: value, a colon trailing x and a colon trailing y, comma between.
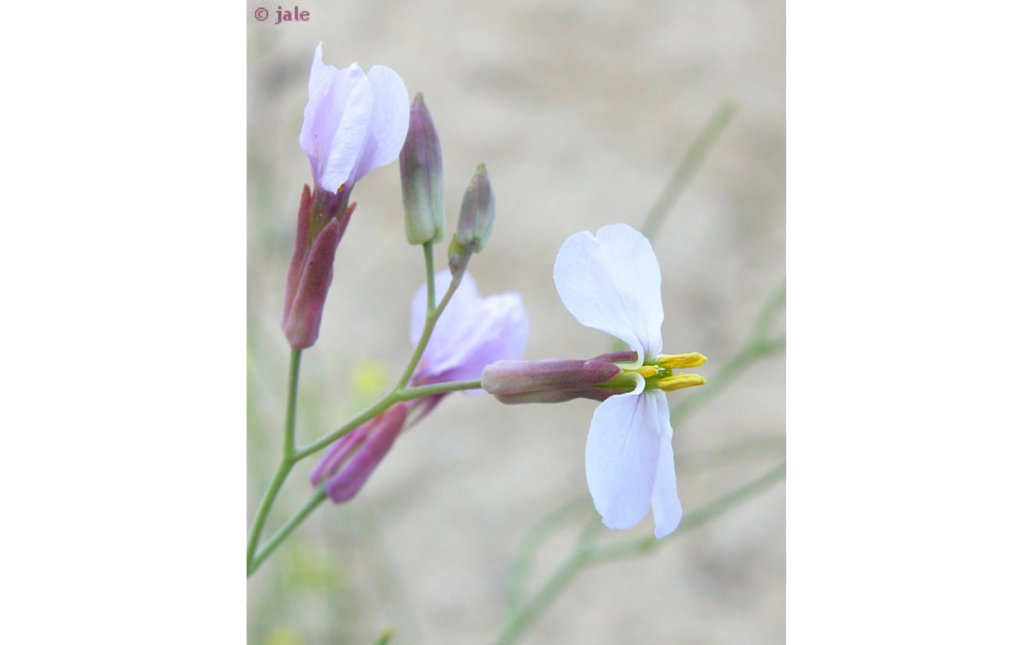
x: 355, y: 122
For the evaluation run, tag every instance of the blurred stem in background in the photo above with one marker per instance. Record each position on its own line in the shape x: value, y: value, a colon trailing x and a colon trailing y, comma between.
x: 758, y: 346
x: 586, y: 552
x: 691, y: 162
x: 385, y: 636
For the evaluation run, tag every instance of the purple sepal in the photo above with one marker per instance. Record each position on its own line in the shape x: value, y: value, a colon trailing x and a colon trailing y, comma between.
x: 310, y: 274
x: 557, y: 396
x: 552, y: 380
x: 301, y: 244
x: 629, y: 356
x: 340, y: 451
x: 379, y: 438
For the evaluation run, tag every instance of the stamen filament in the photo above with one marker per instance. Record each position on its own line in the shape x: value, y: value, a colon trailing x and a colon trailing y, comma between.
x: 647, y: 371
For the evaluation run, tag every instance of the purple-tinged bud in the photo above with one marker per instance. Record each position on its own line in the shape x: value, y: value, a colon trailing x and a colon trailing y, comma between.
x: 360, y: 452
x: 476, y: 219
x: 311, y: 267
x: 627, y: 356
x: 552, y: 380
x: 557, y: 396
x: 422, y: 183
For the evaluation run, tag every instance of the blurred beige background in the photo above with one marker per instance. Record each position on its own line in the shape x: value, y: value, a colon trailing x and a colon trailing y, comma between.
x: 581, y: 111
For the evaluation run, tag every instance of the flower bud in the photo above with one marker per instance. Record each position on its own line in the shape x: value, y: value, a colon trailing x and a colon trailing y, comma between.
x: 476, y: 219
x: 422, y: 184
x: 626, y: 356
x: 351, y: 461
x: 552, y: 380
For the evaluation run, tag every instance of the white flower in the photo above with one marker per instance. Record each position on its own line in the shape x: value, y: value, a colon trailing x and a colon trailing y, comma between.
x: 611, y: 281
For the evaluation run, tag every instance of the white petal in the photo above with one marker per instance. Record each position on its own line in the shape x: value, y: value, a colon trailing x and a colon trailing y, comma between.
x: 389, y: 124
x: 339, y: 107
x: 621, y: 458
x: 321, y: 73
x: 611, y: 282
x: 666, y: 507
x: 354, y: 89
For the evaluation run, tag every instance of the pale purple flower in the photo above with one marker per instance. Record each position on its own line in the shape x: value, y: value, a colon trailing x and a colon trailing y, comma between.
x: 471, y: 333
x: 611, y: 281
x: 354, y: 121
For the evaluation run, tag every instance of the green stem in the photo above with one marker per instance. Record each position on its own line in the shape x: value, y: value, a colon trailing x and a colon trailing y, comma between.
x: 385, y: 636
x: 389, y: 399
x: 291, y: 422
x: 758, y: 346
x: 695, y: 518
x: 286, y: 462
x: 728, y: 372
x: 539, y: 603
x: 292, y: 454
x: 432, y: 315
x: 754, y: 446
x: 286, y: 529
x: 585, y: 554
x: 768, y: 315
x: 263, y: 510
x: 254, y: 557
x: 411, y: 393
x: 687, y: 168
x: 532, y: 543
x: 748, y: 355
x: 431, y: 284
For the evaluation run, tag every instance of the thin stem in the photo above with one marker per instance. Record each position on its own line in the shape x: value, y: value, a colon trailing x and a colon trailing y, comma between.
x: 428, y: 328
x: 539, y: 603
x: 286, y: 462
x: 695, y: 518
x: 411, y: 393
x: 755, y: 446
x: 585, y: 554
x: 532, y: 543
x: 263, y: 510
x: 431, y: 297
x: 376, y: 408
x: 687, y: 168
x: 757, y: 347
x: 387, y: 401
x: 385, y: 636
x: 768, y: 315
x: 318, y: 498
x: 728, y: 372
x: 292, y: 454
x: 291, y: 422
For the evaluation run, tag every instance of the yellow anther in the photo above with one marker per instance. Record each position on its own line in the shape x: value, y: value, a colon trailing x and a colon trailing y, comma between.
x: 680, y: 381
x: 681, y: 361
x: 647, y: 371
